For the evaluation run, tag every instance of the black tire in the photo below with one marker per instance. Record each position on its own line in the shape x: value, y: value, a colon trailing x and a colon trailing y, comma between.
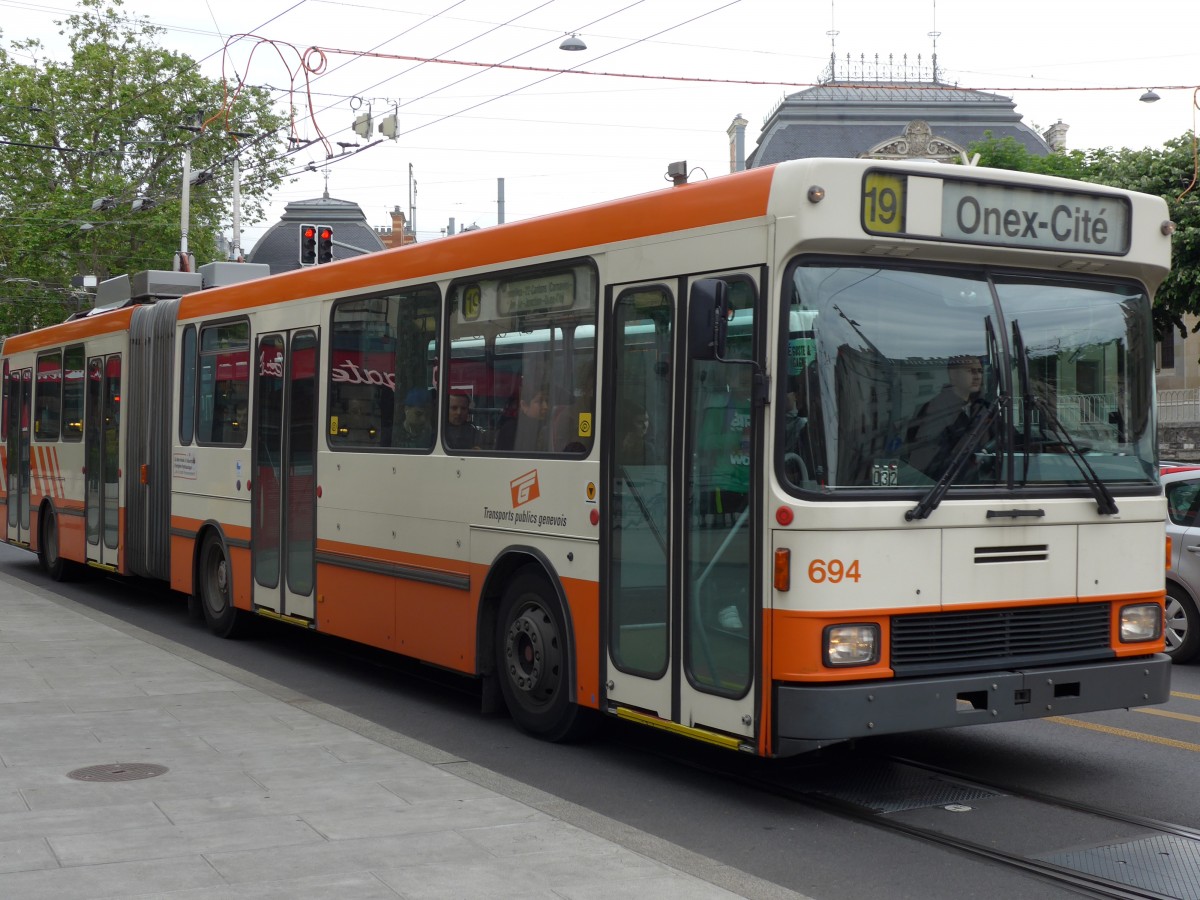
x: 214, y: 585
x: 533, y: 662
x: 1182, y: 625
x: 48, y: 556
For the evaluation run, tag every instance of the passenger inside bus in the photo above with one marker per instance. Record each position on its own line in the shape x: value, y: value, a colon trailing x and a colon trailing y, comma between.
x: 637, y: 443
x: 415, y: 430
x: 573, y: 421
x: 943, y: 421
x: 524, y: 431
x: 460, y: 433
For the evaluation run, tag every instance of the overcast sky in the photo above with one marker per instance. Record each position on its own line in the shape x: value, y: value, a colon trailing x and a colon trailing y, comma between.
x: 564, y: 139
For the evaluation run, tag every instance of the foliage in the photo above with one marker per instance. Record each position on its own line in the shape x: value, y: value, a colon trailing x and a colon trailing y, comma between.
x: 105, y: 123
x: 1168, y: 172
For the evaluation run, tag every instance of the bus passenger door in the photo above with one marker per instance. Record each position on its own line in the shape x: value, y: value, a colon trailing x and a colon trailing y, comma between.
x: 283, y: 481
x: 682, y: 619
x: 720, y: 542
x: 102, y: 460
x: 20, y: 387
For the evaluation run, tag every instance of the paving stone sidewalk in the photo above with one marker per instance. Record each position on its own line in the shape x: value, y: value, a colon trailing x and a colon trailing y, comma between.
x: 266, y: 793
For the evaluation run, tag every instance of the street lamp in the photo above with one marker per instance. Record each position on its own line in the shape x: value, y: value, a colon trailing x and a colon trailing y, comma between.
x: 574, y: 42
x: 1149, y: 97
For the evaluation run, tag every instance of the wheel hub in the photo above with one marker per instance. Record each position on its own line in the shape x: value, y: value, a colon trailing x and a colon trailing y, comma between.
x: 524, y: 651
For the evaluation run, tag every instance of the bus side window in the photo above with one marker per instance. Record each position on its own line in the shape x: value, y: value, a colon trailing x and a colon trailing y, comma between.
x: 47, y: 404
x: 522, y: 347
x: 381, y: 369
x: 72, y: 394
x: 224, y: 384
x: 187, y: 386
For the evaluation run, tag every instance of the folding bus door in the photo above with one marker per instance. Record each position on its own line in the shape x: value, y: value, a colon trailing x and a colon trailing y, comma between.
x: 20, y: 389
x: 284, y: 480
x: 102, y: 460
x: 682, y: 525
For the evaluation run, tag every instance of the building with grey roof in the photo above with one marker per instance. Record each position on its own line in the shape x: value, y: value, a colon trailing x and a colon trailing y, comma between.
x: 888, y: 110
x: 279, y: 248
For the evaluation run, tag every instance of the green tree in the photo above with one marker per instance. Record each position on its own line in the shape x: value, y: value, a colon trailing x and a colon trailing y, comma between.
x: 1169, y: 172
x: 1008, y: 153
x: 105, y: 123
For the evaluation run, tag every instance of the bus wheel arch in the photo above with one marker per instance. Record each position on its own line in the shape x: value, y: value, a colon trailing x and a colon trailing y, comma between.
x: 526, y: 643
x: 212, y: 582
x: 49, y: 550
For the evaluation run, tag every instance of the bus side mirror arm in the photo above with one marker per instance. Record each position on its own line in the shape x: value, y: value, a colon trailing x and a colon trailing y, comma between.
x: 708, y: 328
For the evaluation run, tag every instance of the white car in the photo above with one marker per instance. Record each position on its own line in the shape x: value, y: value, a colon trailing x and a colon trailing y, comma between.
x: 1182, y: 487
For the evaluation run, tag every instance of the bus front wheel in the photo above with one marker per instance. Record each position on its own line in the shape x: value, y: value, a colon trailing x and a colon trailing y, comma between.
x: 533, y: 661
x: 215, y: 586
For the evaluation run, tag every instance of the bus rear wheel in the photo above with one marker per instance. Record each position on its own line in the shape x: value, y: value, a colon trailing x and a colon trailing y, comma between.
x: 215, y: 586
x: 533, y: 662
x: 49, y: 557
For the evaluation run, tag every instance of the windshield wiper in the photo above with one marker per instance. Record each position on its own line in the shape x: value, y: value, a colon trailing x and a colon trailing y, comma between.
x: 1105, y: 504
x: 982, y: 418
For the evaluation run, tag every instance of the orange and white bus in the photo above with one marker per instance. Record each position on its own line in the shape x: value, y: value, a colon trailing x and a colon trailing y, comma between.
x: 812, y: 452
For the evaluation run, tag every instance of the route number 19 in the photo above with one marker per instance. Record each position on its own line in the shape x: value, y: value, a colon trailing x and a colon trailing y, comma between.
x: 883, y: 203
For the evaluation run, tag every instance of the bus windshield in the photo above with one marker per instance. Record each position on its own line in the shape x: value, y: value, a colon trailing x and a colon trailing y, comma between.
x: 898, y: 378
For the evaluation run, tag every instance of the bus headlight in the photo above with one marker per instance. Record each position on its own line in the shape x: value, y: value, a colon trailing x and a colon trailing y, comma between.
x: 851, y: 645
x: 1141, y: 622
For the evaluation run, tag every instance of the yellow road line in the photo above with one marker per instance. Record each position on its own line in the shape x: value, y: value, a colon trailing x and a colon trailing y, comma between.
x: 1125, y: 732
x: 1166, y: 713
x: 1185, y: 696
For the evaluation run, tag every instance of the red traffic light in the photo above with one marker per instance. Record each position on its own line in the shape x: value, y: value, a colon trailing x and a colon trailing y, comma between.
x: 308, y: 245
x: 324, y: 244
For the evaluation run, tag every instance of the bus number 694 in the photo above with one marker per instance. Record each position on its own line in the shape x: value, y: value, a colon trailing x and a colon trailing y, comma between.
x: 833, y: 571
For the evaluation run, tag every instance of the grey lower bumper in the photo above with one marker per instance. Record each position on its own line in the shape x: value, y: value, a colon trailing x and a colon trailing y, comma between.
x: 812, y: 715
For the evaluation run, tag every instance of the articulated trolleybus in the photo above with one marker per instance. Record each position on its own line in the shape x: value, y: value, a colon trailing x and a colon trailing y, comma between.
x: 798, y: 455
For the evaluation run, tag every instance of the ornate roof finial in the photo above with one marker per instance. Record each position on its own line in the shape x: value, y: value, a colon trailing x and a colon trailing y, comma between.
x: 935, y: 34
x: 833, y: 33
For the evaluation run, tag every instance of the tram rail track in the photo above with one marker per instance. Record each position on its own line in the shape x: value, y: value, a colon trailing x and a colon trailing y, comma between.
x: 874, y: 790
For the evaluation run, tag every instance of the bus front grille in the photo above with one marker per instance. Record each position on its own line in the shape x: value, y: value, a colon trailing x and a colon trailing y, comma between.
x: 979, y: 640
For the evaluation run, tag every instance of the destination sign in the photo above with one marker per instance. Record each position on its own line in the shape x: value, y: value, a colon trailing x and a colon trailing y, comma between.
x: 533, y: 295
x: 999, y: 215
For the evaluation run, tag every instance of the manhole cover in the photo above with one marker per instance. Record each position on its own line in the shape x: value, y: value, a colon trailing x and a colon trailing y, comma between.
x: 117, y: 772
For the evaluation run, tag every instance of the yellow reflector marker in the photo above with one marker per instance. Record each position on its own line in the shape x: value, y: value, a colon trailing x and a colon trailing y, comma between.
x: 291, y: 620
x: 710, y: 737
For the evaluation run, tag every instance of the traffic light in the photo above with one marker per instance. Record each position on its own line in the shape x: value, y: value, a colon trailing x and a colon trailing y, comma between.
x: 324, y: 244
x: 308, y: 245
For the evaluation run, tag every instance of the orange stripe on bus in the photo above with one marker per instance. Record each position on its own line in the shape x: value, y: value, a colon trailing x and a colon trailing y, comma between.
x: 730, y: 198
x: 105, y: 323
